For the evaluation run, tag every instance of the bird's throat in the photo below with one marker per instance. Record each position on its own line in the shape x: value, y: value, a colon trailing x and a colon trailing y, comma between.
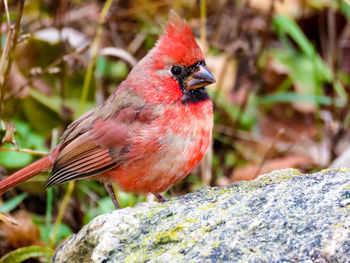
x: 194, y: 96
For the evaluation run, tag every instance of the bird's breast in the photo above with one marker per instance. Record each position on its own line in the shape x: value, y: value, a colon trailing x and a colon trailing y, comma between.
x: 168, y: 150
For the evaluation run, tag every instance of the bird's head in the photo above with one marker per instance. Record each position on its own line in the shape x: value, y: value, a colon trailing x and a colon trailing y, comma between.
x: 177, y: 64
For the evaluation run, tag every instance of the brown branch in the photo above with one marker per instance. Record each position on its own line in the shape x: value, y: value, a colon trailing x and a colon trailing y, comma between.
x: 48, y: 69
x: 33, y: 152
x: 5, y: 53
x: 11, y: 54
x: 7, y: 13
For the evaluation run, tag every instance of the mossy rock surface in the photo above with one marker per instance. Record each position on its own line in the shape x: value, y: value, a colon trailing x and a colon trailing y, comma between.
x: 284, y: 216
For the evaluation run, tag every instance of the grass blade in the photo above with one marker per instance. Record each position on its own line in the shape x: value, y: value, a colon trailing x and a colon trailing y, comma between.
x: 22, y: 254
x: 12, y: 203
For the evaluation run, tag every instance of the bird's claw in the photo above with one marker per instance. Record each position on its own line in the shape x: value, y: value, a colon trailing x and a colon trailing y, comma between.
x: 160, y: 198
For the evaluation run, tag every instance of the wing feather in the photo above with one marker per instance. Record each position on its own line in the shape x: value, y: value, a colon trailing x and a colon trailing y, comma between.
x: 99, y: 147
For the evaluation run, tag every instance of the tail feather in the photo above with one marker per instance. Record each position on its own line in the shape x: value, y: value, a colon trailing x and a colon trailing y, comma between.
x: 25, y: 173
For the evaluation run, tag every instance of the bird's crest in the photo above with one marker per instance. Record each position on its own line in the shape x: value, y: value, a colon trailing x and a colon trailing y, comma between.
x: 178, y: 42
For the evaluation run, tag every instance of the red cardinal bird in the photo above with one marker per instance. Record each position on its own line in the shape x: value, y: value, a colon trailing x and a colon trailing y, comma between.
x: 149, y: 134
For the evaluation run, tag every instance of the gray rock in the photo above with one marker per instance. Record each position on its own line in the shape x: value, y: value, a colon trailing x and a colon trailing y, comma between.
x: 284, y: 216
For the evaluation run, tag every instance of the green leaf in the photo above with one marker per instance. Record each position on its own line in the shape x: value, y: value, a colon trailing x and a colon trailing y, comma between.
x: 345, y: 8
x: 22, y: 254
x: 308, y: 73
x: 128, y: 199
x: 343, y: 77
x: 12, y: 203
x: 293, y: 97
x: 286, y: 25
x: 53, y: 103
x: 119, y: 69
x: 13, y: 160
x: 306, y: 68
x: 38, y: 114
x: 247, y: 117
x: 101, y: 65
x: 111, y: 69
x: 46, y: 230
x: 230, y: 159
x: 339, y: 88
x: 106, y: 205
x: 26, y: 138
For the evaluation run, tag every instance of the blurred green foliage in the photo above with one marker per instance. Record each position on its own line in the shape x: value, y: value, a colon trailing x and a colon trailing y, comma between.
x: 22, y: 254
x: 12, y: 203
x: 25, y: 138
x: 306, y: 69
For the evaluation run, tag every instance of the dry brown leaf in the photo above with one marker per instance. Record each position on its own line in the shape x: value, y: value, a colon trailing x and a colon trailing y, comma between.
x: 10, y: 134
x: 297, y: 128
x: 25, y: 233
x: 8, y: 219
x: 293, y: 8
x: 274, y: 73
x: 251, y: 171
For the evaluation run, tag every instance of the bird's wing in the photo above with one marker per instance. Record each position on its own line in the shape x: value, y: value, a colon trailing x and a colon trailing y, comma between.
x: 98, y: 145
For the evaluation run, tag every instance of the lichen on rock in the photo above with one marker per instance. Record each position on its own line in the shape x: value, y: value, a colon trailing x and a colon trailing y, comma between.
x: 282, y: 216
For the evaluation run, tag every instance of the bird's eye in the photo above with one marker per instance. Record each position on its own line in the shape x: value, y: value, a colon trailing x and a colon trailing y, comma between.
x: 176, y: 70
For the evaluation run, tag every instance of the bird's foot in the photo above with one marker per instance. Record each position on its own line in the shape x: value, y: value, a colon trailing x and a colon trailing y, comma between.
x: 110, y: 191
x: 160, y: 198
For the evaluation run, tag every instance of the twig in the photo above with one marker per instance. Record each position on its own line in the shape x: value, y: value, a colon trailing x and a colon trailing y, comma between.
x: 331, y: 46
x: 9, y: 134
x: 33, y: 152
x: 268, y: 23
x: 11, y: 53
x: 51, y: 66
x: 5, y: 54
x: 7, y: 14
x: 150, y: 6
x: 203, y: 23
x: 8, y: 219
x: 1, y: 15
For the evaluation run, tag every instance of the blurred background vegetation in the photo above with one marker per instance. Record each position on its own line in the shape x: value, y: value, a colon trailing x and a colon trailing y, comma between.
x: 281, y: 97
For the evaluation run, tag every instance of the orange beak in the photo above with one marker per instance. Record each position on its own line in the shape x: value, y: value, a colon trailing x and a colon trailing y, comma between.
x: 200, y: 78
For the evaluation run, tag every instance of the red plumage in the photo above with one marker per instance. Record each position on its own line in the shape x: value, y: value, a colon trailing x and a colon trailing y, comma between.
x: 178, y: 43
x: 150, y: 133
